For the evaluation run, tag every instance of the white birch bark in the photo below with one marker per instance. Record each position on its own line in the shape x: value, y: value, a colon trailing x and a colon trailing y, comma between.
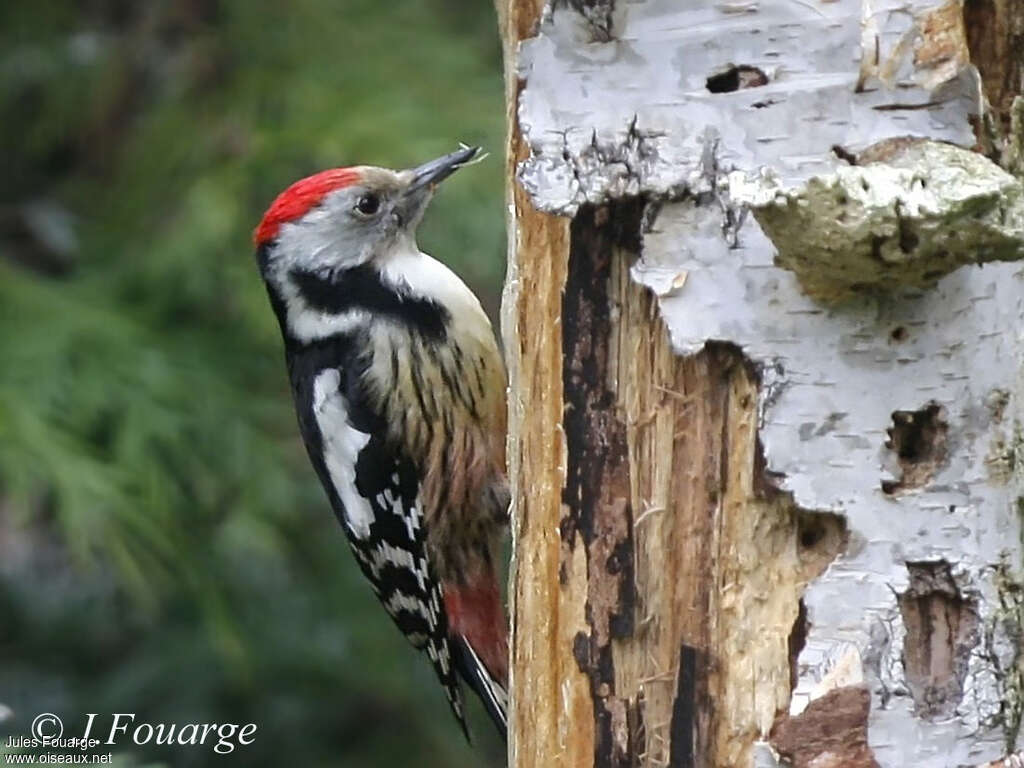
x: 892, y: 393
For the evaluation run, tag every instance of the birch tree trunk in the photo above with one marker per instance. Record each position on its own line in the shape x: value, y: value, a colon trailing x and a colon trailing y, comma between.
x: 764, y: 333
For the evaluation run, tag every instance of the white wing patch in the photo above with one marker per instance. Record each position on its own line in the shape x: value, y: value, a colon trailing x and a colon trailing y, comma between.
x: 341, y: 446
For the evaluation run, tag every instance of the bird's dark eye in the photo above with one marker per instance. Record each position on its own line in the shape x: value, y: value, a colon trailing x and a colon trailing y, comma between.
x: 368, y: 204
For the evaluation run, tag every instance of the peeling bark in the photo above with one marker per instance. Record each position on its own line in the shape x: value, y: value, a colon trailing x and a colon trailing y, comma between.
x: 830, y: 733
x: 680, y: 566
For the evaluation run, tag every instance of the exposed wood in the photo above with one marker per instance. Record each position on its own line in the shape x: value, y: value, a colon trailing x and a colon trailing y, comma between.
x: 721, y: 558
x: 596, y: 526
x: 531, y: 309
x: 995, y: 37
x: 941, y: 633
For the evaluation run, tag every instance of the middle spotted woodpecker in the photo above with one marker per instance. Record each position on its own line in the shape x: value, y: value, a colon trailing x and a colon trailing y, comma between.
x: 400, y: 394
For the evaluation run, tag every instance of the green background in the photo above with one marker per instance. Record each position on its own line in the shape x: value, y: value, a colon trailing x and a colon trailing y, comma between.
x: 165, y: 549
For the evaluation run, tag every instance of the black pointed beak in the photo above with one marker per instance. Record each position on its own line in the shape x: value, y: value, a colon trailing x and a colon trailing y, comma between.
x: 440, y: 169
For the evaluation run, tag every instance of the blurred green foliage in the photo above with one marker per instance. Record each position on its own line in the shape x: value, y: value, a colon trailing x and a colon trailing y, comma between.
x: 164, y: 547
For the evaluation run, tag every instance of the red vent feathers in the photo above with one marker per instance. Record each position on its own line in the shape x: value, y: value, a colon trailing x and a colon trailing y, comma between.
x: 299, y: 198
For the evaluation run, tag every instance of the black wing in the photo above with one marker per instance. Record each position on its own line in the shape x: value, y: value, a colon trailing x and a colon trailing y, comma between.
x: 383, y: 523
x: 394, y: 559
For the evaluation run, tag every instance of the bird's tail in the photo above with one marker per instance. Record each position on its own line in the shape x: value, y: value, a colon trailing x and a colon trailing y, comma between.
x: 491, y: 692
x: 479, y: 637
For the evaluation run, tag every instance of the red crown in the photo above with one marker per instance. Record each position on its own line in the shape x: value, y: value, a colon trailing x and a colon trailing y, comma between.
x: 299, y: 198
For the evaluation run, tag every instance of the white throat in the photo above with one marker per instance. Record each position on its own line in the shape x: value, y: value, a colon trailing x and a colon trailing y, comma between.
x: 407, y: 268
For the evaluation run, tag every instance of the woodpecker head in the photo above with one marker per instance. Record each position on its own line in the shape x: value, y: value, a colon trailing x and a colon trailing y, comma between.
x: 338, y: 248
x: 346, y: 217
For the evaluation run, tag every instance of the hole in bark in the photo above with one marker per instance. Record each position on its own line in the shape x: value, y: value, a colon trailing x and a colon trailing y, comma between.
x: 898, y: 334
x: 736, y: 78
x: 908, y: 237
x: 820, y: 536
x: 844, y: 154
x: 918, y: 438
x: 940, y: 632
x: 876, y: 248
x: 797, y: 640
x: 809, y: 537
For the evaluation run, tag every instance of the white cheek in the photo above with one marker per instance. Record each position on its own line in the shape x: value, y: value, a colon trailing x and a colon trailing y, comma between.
x: 335, y: 242
x: 318, y: 242
x: 308, y: 325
